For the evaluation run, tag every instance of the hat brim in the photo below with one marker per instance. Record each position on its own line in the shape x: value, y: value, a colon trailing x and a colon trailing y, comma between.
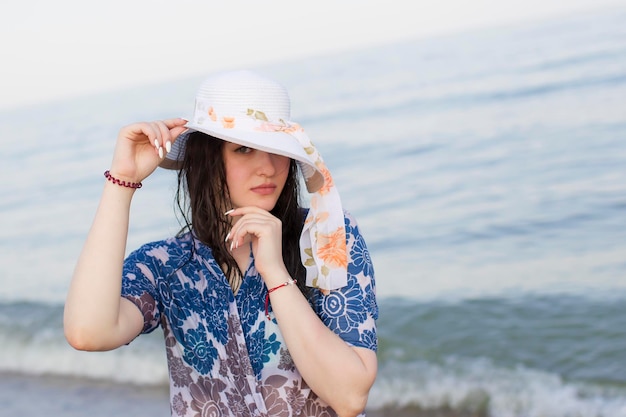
x: 279, y: 143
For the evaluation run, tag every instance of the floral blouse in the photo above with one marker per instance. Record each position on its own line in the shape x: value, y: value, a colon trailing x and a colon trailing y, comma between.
x: 225, y: 357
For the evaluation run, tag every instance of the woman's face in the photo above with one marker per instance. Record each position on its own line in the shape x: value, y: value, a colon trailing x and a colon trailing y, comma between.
x: 253, y: 177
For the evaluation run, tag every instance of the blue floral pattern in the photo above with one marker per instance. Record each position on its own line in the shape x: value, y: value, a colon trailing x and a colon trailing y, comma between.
x: 224, y: 355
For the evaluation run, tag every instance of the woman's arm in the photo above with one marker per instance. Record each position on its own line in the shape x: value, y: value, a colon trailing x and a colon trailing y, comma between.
x: 338, y: 373
x: 96, y: 317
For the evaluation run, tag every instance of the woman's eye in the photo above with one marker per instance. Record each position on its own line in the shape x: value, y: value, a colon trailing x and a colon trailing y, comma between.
x: 243, y: 149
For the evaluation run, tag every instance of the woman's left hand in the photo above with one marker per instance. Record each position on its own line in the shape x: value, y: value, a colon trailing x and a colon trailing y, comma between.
x: 265, y: 232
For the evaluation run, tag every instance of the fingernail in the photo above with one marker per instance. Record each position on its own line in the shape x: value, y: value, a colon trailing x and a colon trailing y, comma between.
x: 156, y: 144
x: 231, y: 245
x: 228, y: 212
x: 168, y: 146
x: 227, y: 236
x: 161, y: 152
x: 237, y: 244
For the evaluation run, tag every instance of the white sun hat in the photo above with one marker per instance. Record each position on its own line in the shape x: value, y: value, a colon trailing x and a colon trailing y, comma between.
x: 246, y: 108
x: 251, y: 110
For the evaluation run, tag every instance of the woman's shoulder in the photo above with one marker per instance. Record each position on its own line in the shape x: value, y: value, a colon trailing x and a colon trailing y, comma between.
x: 350, y: 221
x: 162, y: 255
x: 348, y: 216
x: 171, y: 245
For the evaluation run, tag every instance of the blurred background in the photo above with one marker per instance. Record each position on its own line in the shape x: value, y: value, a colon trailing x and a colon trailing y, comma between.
x: 481, y: 147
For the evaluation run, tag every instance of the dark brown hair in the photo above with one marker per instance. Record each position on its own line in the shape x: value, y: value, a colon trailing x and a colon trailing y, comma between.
x: 203, y: 198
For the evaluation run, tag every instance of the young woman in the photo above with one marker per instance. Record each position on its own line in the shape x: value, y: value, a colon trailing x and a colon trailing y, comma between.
x: 267, y: 308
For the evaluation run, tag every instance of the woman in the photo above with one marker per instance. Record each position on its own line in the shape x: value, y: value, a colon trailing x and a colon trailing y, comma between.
x: 267, y: 309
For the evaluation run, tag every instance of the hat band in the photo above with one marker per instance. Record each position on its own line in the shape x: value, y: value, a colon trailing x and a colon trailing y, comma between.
x: 253, y: 119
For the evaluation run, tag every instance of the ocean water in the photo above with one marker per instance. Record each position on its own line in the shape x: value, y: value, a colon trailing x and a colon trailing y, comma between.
x: 487, y: 171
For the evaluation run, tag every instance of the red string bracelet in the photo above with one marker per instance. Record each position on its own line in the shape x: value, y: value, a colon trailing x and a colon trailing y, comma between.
x: 267, y: 296
x: 114, y: 180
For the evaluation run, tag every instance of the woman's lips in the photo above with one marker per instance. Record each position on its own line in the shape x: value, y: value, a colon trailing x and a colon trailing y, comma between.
x: 264, y: 189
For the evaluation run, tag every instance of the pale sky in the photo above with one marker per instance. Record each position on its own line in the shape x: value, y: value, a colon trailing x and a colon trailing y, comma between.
x: 53, y: 49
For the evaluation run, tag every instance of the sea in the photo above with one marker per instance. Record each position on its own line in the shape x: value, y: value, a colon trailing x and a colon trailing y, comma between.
x: 486, y: 169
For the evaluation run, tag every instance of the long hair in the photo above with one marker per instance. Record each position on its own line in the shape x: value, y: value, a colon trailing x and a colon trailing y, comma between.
x: 203, y: 197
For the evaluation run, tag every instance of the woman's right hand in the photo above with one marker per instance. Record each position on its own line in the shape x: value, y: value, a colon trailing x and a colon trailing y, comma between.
x: 141, y: 147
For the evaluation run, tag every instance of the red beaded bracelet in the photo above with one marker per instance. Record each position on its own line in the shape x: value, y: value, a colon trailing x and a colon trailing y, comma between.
x: 267, y: 296
x: 114, y: 180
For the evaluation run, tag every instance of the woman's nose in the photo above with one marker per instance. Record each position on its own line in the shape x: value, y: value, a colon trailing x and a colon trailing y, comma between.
x: 266, y: 163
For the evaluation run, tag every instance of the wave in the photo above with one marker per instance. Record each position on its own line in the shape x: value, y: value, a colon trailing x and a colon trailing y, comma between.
x: 580, y: 338
x: 478, y: 387
x: 32, y: 343
x: 531, y: 356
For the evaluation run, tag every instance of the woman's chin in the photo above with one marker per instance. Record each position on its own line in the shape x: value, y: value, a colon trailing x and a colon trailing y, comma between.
x: 263, y: 205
